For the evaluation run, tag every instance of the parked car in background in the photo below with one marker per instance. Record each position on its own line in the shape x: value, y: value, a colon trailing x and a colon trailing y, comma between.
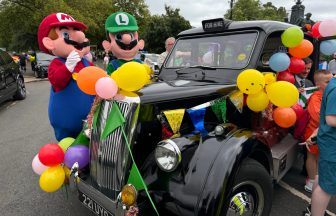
x: 42, y: 63
x: 11, y: 79
x: 151, y: 59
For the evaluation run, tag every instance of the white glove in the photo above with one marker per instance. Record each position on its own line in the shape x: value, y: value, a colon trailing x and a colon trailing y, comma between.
x: 72, y: 60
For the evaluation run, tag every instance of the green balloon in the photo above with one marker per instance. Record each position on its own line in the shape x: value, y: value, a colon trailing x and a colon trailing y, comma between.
x: 292, y: 36
x: 65, y: 143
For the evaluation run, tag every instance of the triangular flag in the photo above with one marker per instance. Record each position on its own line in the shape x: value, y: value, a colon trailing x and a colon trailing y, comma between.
x: 237, y: 99
x: 197, y: 118
x: 219, y: 108
x: 174, y: 118
x: 114, y: 120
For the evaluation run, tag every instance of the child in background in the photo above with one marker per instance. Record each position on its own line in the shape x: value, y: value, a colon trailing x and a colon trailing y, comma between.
x: 321, y: 78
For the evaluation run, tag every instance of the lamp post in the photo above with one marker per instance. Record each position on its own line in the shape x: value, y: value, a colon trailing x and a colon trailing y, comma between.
x: 231, y: 6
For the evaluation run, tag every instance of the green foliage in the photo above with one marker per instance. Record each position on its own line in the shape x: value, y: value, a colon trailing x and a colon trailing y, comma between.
x: 159, y: 27
x: 19, y: 20
x: 254, y: 10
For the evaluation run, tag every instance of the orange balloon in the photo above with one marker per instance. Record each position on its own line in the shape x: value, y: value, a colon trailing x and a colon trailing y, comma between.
x: 87, y: 78
x: 303, y: 50
x: 284, y: 117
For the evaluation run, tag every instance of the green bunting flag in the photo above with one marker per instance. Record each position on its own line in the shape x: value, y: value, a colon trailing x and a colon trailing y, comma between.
x: 114, y: 120
x: 219, y: 108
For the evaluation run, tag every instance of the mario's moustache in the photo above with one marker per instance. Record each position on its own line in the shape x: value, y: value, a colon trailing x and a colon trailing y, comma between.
x: 77, y: 45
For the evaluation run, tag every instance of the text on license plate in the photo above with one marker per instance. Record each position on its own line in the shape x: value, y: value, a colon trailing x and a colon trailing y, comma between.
x: 93, y: 205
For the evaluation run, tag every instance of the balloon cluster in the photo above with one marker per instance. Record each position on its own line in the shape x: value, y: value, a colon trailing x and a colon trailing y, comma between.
x: 298, y: 48
x: 130, y: 77
x: 54, y: 161
x: 279, y: 89
x: 325, y: 28
x: 261, y: 89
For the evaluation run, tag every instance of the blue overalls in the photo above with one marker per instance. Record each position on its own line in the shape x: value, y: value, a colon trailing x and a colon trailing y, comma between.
x: 68, y: 108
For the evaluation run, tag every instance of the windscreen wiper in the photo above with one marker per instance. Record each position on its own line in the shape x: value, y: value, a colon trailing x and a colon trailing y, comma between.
x: 196, y: 66
x: 196, y: 72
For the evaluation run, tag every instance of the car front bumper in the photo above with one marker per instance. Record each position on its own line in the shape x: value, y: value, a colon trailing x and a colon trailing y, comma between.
x: 96, y: 201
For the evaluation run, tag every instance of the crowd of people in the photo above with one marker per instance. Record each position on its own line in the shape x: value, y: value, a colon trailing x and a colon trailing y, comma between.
x: 319, y: 136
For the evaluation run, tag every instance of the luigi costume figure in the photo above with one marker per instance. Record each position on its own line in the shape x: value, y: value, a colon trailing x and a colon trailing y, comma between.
x: 123, y: 39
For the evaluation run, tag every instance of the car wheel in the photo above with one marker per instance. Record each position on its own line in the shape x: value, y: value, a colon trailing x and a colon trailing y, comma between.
x: 21, y: 90
x: 252, y: 191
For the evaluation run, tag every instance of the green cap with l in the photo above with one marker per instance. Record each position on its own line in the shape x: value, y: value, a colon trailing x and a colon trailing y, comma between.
x: 121, y: 21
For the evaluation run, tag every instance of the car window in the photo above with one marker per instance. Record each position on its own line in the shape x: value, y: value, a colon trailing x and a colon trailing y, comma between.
x: 222, y: 51
x: 6, y: 58
x: 44, y: 57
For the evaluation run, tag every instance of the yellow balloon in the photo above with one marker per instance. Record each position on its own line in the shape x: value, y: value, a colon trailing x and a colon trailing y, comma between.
x: 131, y: 76
x: 269, y: 77
x: 257, y: 102
x: 52, y: 178
x: 282, y: 94
x: 250, y: 81
x: 148, y: 69
x: 128, y: 94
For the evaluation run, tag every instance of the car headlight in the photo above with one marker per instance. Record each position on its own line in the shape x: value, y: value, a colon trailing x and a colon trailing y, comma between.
x: 167, y: 155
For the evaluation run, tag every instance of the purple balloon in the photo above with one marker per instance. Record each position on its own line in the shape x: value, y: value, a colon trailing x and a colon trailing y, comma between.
x: 77, y: 153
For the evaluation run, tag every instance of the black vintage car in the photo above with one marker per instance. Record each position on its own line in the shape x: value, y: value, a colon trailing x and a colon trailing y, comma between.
x: 229, y: 170
x: 11, y: 79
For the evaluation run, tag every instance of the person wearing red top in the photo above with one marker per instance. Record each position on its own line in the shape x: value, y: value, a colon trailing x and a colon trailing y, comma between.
x: 61, y: 35
x: 321, y: 79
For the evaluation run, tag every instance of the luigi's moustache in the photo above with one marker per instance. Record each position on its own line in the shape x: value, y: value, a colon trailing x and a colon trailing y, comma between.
x: 127, y: 46
x: 76, y: 44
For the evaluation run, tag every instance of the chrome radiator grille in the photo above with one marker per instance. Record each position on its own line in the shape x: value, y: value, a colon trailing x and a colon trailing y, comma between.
x: 110, y: 156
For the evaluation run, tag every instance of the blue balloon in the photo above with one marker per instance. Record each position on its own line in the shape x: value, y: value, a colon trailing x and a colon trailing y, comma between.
x: 279, y: 62
x: 328, y: 47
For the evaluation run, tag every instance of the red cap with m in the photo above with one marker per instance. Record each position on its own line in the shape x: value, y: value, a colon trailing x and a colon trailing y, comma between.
x: 55, y: 20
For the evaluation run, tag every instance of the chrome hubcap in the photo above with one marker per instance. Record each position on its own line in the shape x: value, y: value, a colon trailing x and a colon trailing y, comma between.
x: 248, y: 201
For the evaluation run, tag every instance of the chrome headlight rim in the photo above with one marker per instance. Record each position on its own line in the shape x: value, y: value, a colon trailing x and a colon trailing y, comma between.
x: 177, y: 151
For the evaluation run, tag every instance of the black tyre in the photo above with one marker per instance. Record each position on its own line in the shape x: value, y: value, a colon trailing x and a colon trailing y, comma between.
x: 252, y: 191
x: 37, y: 73
x: 21, y: 90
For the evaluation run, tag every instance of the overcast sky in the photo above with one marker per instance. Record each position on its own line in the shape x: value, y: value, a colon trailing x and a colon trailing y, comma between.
x: 197, y: 10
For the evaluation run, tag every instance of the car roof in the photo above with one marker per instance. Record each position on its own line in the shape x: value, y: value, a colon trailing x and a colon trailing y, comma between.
x: 265, y: 25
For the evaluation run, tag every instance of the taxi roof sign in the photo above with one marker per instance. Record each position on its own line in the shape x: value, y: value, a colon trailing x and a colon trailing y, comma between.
x: 218, y: 24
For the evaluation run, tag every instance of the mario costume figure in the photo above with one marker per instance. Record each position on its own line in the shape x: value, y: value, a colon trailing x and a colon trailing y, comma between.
x: 61, y: 35
x: 123, y: 39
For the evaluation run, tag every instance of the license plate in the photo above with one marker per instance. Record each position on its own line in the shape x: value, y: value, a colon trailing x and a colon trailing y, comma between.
x: 93, y: 205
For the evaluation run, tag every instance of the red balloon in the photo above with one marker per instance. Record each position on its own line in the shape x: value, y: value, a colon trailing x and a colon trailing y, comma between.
x: 51, y: 155
x: 298, y: 109
x: 315, y: 30
x: 296, y: 65
x: 286, y: 76
x: 284, y: 117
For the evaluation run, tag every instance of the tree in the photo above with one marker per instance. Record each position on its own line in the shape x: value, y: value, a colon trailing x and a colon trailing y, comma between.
x: 19, y: 19
x: 159, y: 27
x: 254, y: 10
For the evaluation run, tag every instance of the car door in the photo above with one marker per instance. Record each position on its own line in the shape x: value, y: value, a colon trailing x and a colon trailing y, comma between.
x: 10, y: 70
x: 2, y: 76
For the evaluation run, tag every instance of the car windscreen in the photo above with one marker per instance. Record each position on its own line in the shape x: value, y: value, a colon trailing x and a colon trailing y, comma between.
x: 44, y: 57
x: 219, y: 51
x: 152, y: 57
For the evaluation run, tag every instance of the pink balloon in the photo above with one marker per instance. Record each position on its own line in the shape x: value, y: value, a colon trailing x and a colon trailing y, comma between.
x: 327, y: 28
x: 37, y: 166
x: 106, y: 88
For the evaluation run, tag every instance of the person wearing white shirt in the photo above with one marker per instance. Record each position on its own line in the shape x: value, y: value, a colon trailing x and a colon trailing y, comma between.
x: 168, y: 45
